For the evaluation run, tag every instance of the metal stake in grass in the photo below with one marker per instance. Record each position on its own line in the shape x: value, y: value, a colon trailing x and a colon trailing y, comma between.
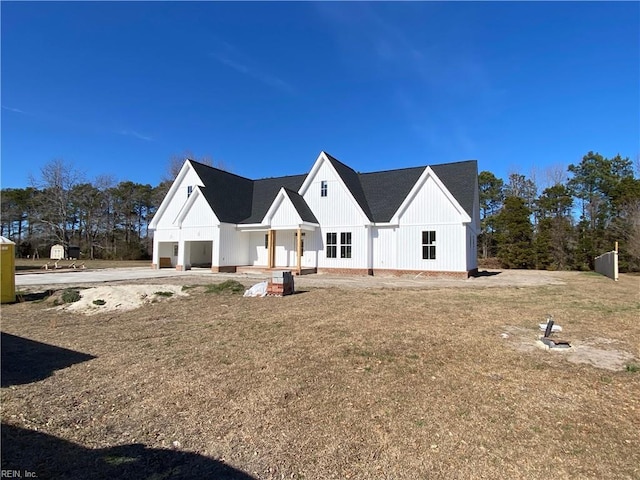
x: 547, y: 332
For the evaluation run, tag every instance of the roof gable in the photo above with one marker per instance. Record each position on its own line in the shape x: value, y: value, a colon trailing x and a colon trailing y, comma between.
x: 264, y: 193
x: 187, y: 209
x: 228, y: 195
x: 461, y: 179
x: 239, y: 200
x: 385, y: 191
x: 291, y: 206
x: 351, y: 180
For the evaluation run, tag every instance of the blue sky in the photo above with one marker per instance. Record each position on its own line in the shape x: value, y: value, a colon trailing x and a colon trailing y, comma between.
x: 118, y: 88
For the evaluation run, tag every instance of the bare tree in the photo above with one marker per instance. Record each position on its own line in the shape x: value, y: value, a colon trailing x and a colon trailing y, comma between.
x: 54, y: 206
x: 177, y: 160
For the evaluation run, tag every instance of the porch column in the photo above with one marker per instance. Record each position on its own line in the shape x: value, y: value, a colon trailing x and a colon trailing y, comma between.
x: 299, y: 250
x: 180, y: 259
x: 271, y: 262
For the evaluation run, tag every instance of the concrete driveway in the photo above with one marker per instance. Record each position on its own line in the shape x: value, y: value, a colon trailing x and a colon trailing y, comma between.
x: 494, y: 278
x: 99, y: 275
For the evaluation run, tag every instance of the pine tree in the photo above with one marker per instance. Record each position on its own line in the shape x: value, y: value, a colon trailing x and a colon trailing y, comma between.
x: 515, y: 234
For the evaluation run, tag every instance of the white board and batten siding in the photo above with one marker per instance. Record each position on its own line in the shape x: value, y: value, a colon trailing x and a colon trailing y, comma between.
x: 234, y: 248
x: 258, y: 253
x: 430, y: 209
x: 180, y: 196
x: 285, y: 216
x: 384, y: 248
x: 338, y: 207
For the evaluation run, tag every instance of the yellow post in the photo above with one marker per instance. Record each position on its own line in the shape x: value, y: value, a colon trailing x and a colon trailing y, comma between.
x: 299, y: 248
x: 7, y: 271
x: 272, y: 249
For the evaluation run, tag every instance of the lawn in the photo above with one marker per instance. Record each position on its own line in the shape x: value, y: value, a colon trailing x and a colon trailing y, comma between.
x: 328, y: 383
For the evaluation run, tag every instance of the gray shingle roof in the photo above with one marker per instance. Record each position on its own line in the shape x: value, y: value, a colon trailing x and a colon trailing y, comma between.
x: 461, y: 179
x: 236, y: 199
x: 352, y: 180
x: 228, y: 195
x: 306, y: 215
x: 265, y: 191
x: 385, y: 191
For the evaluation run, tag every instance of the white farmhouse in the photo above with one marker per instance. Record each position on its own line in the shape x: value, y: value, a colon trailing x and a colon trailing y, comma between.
x: 333, y: 219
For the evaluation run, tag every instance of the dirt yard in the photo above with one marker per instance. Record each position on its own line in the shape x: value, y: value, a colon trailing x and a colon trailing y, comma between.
x: 349, y: 378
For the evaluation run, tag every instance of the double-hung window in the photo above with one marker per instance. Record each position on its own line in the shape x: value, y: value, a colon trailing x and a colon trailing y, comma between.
x: 332, y: 245
x: 429, y: 245
x: 345, y: 245
x: 323, y: 188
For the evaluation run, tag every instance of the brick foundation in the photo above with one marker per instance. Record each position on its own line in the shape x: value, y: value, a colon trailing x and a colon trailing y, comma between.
x: 346, y: 271
x: 154, y: 266
x: 397, y: 273
x: 224, y: 269
x: 180, y: 268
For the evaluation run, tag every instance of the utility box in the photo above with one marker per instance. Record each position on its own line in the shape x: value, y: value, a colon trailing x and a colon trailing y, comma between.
x: 7, y: 271
x: 281, y: 283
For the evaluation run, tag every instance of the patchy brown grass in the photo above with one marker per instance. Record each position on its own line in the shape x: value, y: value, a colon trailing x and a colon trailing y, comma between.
x: 345, y: 383
x: 26, y: 264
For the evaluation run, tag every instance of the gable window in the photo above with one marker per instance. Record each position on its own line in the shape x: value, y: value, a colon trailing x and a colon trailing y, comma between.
x: 323, y: 188
x: 429, y: 245
x: 332, y: 245
x: 189, y: 190
x: 345, y: 245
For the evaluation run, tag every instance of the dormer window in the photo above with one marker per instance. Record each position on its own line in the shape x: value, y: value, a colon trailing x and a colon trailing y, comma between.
x: 323, y: 188
x: 189, y: 190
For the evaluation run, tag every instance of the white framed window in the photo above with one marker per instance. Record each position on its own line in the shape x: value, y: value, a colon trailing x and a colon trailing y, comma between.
x: 429, y: 245
x: 345, y: 245
x: 175, y: 250
x: 189, y: 190
x: 323, y: 188
x: 332, y: 245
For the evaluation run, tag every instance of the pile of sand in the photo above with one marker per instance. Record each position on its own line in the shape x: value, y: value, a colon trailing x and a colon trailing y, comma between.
x: 121, y: 297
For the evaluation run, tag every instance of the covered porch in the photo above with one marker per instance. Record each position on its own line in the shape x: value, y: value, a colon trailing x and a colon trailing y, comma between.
x: 277, y: 248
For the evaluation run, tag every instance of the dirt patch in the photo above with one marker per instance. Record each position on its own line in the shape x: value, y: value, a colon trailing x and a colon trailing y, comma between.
x: 109, y: 298
x: 601, y: 353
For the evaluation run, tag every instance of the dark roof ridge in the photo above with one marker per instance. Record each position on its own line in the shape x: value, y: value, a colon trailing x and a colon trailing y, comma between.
x: 284, y: 176
x: 417, y: 166
x: 334, y: 159
x: 218, y: 169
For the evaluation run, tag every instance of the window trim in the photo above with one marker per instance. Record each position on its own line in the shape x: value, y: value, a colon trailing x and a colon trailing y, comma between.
x: 332, y: 245
x: 429, y: 245
x: 345, y: 244
x: 324, y: 189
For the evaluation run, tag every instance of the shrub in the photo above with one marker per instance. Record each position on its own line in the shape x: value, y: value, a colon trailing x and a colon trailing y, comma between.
x: 231, y: 286
x: 99, y: 301
x: 70, y: 295
x: 164, y: 294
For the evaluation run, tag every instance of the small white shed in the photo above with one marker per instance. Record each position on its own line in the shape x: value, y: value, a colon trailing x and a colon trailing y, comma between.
x: 57, y: 252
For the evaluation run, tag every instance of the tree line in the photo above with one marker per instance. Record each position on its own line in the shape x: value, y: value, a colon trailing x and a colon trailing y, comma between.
x: 105, y: 218
x: 580, y: 213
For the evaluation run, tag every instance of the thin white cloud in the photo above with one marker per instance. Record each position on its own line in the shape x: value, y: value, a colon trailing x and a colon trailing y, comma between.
x: 233, y: 58
x: 133, y: 133
x: 15, y: 110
